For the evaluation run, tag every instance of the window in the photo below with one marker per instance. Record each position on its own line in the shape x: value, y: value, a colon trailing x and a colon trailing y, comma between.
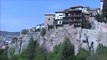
x: 84, y: 41
x: 49, y: 19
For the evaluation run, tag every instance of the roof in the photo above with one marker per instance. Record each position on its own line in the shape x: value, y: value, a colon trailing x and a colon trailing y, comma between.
x: 76, y: 7
x: 59, y: 12
x: 49, y: 14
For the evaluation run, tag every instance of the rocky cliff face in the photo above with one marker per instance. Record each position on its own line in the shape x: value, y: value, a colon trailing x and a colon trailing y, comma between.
x: 78, y: 37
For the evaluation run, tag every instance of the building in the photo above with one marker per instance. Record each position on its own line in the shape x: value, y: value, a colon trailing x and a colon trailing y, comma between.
x: 76, y: 16
x: 49, y: 19
x: 101, y: 4
x: 59, y: 18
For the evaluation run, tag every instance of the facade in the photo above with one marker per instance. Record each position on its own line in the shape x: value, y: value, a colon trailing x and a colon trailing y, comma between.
x: 49, y: 19
x: 59, y: 18
x: 76, y: 16
x: 101, y: 4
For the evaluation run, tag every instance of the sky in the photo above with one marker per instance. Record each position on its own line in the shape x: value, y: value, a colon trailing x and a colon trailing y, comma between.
x: 16, y: 15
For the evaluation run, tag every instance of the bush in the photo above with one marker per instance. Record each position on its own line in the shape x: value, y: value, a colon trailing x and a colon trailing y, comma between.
x: 82, y: 54
x: 101, y: 54
x: 64, y: 51
x: 55, y: 55
x: 101, y: 50
x: 14, y: 39
x: 43, y: 32
x: 24, y: 31
x: 67, y: 50
x: 3, y: 55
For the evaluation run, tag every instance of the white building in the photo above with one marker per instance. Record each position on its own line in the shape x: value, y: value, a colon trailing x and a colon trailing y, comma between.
x: 101, y: 4
x: 59, y: 17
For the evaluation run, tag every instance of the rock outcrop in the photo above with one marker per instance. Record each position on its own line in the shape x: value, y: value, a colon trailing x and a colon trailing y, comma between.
x: 79, y: 37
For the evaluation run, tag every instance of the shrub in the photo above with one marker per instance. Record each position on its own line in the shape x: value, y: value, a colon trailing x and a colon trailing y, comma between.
x: 82, y: 54
x: 14, y: 39
x: 43, y: 32
x: 24, y: 31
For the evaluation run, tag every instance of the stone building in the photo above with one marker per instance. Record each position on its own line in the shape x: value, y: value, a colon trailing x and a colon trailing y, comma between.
x: 49, y: 19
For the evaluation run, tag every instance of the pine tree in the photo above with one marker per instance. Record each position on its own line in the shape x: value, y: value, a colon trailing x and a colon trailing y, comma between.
x: 82, y: 54
x: 3, y: 55
x: 67, y: 51
x: 31, y: 49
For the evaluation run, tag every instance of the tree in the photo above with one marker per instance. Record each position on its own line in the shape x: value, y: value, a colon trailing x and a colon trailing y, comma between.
x: 82, y: 54
x: 40, y: 54
x: 14, y: 39
x: 67, y: 50
x: 64, y: 51
x: 43, y: 32
x: 101, y: 54
x: 29, y: 52
x: 3, y: 55
x: 24, y: 31
x: 56, y: 54
x: 31, y: 49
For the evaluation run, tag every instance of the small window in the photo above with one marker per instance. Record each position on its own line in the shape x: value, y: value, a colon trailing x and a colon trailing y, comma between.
x: 84, y: 41
x: 49, y: 19
x: 60, y: 15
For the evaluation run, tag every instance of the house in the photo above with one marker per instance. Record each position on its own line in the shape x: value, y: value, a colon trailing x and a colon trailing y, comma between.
x: 59, y: 18
x: 76, y: 16
x: 49, y: 19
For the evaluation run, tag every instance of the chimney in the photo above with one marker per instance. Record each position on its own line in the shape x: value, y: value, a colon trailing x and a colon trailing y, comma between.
x: 101, y: 4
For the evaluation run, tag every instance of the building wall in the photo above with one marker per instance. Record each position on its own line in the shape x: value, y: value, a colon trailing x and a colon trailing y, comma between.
x: 59, y: 15
x: 49, y: 19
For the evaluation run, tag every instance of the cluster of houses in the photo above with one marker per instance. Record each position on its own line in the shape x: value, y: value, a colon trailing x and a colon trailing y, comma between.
x: 77, y: 16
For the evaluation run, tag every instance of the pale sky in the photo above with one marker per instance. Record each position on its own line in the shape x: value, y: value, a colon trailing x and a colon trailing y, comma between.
x: 19, y: 14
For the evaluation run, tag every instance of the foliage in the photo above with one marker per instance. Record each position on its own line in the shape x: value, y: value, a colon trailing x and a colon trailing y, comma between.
x: 24, y: 31
x: 101, y: 50
x: 3, y: 55
x: 32, y: 52
x: 40, y: 54
x: 14, y: 39
x: 64, y: 51
x: 82, y: 54
x: 67, y: 50
x: 101, y: 54
x: 43, y: 32
x: 55, y: 55
x: 31, y: 49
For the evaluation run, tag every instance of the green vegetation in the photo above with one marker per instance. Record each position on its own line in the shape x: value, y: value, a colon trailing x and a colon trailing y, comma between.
x: 82, y: 54
x: 63, y: 51
x: 24, y: 31
x: 32, y: 52
x: 43, y: 32
x: 3, y: 55
x: 14, y: 39
x: 101, y: 54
